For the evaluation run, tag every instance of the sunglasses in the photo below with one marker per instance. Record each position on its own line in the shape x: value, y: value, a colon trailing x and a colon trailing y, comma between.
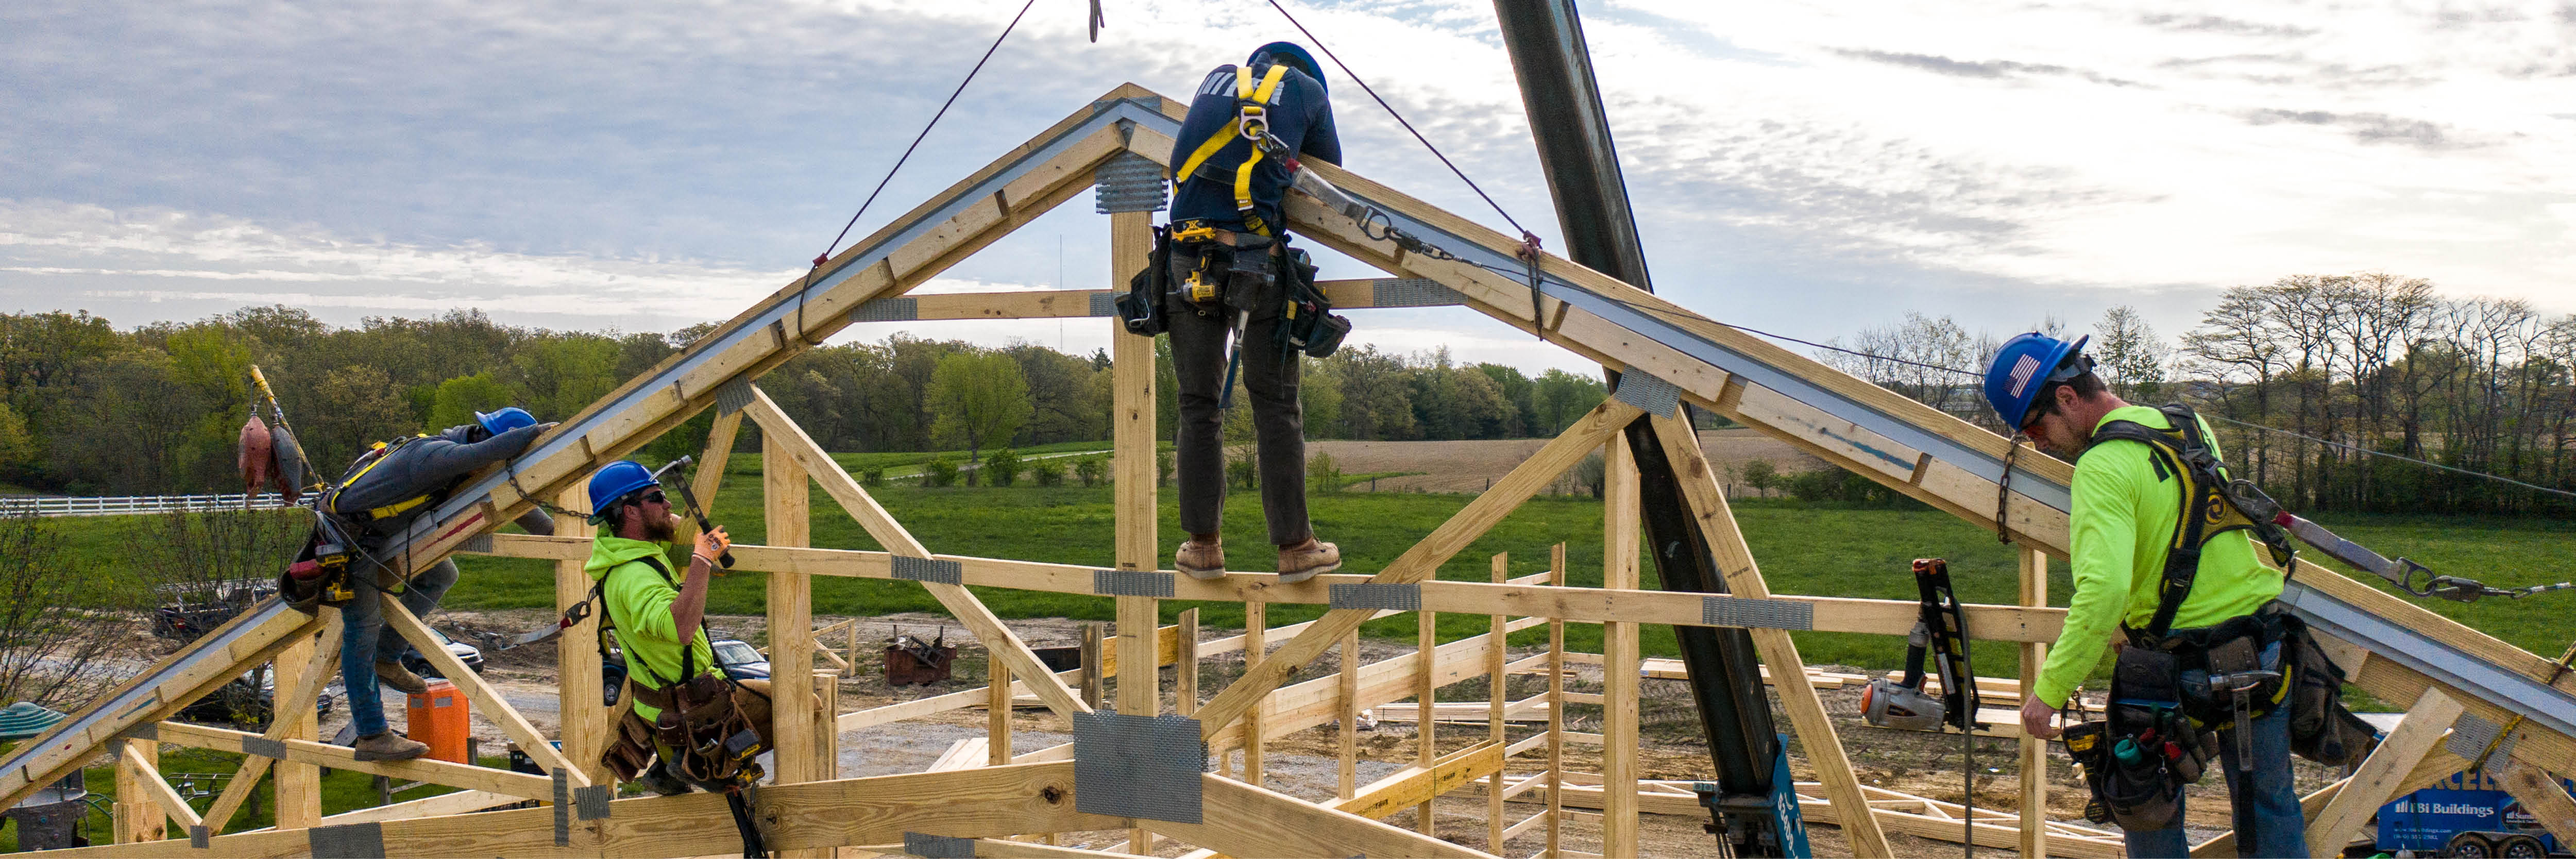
x: 654, y: 497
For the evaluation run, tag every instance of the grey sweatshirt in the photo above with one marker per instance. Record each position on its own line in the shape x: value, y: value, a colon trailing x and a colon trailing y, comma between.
x: 429, y: 465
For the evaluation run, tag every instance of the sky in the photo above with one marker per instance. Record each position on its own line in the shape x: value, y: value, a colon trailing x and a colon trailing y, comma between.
x: 1807, y: 169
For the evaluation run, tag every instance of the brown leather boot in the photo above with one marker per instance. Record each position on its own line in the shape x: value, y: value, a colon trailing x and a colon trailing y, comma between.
x: 388, y: 746
x: 394, y: 675
x: 1301, y: 561
x: 1202, y: 556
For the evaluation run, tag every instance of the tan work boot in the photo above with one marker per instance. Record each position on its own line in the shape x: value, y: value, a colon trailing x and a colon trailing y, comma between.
x: 389, y: 746
x: 1301, y: 561
x: 394, y: 675
x: 1202, y: 556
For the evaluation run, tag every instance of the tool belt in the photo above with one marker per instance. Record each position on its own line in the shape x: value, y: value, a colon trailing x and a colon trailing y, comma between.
x: 319, y: 575
x: 2138, y: 758
x: 701, y: 734
x: 1200, y: 269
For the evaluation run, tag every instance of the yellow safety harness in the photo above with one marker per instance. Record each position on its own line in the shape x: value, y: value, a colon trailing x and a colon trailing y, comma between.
x: 376, y: 456
x: 1252, y: 122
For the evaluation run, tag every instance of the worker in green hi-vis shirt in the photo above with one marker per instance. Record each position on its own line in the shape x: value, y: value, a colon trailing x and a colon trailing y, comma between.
x: 2193, y: 604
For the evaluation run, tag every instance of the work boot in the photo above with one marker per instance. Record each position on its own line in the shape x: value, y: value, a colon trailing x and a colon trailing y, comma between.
x: 1202, y: 556
x: 388, y: 746
x: 1301, y: 561
x: 394, y: 675
x: 660, y: 780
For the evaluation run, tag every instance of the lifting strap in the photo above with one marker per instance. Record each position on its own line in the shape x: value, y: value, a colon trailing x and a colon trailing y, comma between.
x: 1252, y: 121
x: 2210, y: 505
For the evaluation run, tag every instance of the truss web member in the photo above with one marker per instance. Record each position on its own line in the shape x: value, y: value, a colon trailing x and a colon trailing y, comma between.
x: 692, y: 722
x: 385, y: 492
x: 1227, y: 243
x: 2141, y: 488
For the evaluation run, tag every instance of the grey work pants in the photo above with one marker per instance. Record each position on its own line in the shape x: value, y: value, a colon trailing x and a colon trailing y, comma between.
x: 1278, y: 419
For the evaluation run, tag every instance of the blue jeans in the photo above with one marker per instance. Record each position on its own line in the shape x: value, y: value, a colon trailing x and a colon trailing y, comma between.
x: 2268, y: 821
x: 363, y: 635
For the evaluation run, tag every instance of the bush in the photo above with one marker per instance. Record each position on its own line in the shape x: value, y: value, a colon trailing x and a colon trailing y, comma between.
x: 1323, y: 475
x: 1090, y: 470
x: 1842, y: 488
x: 1759, y: 474
x: 1049, y: 472
x: 1003, y: 467
x: 939, y: 471
x: 1243, y: 470
x: 872, y: 476
x: 1163, y: 468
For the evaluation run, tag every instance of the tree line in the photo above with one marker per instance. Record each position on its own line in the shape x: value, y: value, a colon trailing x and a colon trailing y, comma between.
x: 2339, y: 367
x: 89, y: 408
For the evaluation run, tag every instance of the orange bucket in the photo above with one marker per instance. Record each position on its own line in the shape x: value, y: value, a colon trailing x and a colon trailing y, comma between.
x: 439, y: 718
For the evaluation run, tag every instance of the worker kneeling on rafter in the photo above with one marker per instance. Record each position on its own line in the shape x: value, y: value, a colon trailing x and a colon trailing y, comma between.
x: 2209, y: 650
x: 1227, y: 260
x: 383, y: 495
x: 691, y: 724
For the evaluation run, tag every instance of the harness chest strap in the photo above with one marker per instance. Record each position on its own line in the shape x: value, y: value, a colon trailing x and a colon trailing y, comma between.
x: 2206, y: 508
x: 381, y: 452
x: 1251, y: 111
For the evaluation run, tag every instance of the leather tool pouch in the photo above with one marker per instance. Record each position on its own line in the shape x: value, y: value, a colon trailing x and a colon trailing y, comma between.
x: 2147, y: 748
x: 1141, y: 309
x: 2322, y: 729
x: 703, y: 729
x: 632, y: 751
x: 1307, y: 321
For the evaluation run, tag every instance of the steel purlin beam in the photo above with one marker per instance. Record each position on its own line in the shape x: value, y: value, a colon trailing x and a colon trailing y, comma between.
x: 2510, y: 690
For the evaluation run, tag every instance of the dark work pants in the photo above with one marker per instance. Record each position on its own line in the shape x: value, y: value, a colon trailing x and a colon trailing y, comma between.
x: 364, y: 637
x: 1278, y: 419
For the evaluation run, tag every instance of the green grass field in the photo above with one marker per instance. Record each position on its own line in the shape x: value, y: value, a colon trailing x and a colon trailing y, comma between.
x: 1803, y: 550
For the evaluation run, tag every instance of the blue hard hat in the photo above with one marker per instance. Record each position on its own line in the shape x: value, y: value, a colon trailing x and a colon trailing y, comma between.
x: 2024, y: 367
x: 504, y: 420
x: 1289, y: 53
x: 614, y: 481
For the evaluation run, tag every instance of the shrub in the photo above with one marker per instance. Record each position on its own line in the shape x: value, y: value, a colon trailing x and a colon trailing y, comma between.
x: 1003, y: 467
x: 1759, y: 474
x: 1843, y: 488
x: 939, y: 471
x: 874, y: 476
x: 1323, y: 475
x: 1090, y: 470
x: 1049, y: 472
x: 1243, y: 467
x: 1163, y: 468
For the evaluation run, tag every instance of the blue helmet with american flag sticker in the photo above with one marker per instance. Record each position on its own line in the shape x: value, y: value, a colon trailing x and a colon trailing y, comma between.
x: 2024, y: 367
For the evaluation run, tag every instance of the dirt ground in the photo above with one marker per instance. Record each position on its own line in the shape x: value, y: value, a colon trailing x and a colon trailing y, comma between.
x: 1302, y: 764
x: 1473, y: 465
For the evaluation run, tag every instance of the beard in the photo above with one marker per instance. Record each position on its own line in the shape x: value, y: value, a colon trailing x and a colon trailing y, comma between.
x: 662, y: 530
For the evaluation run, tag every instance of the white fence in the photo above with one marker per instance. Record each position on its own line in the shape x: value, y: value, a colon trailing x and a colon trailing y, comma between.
x: 57, y: 505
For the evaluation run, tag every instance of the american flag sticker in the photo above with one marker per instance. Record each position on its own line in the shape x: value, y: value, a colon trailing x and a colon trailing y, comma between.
x: 2022, y: 370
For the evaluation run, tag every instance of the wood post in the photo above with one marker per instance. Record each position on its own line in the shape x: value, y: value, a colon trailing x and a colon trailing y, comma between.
x: 584, y: 720
x: 1185, y: 681
x: 136, y: 818
x: 2034, y: 751
x: 827, y: 737
x: 997, y: 716
x: 1555, y: 713
x: 1495, y: 660
x: 1256, y: 641
x: 1138, y: 677
x: 2383, y: 773
x: 1348, y: 704
x: 786, y: 506
x: 1092, y: 665
x: 1131, y: 423
x: 1619, y: 522
x: 1426, y: 707
x: 299, y: 786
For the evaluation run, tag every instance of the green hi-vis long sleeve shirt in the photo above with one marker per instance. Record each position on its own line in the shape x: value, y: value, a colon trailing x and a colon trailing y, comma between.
x: 639, y: 600
x: 2126, y: 508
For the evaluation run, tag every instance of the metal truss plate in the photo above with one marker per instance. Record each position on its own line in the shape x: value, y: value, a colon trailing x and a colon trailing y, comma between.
x: 938, y: 846
x: 1380, y: 597
x: 1131, y: 583
x: 479, y: 544
x: 591, y: 803
x: 353, y: 841
x: 1128, y: 183
x: 264, y: 747
x: 1138, y: 766
x: 1756, y: 613
x: 733, y: 396
x: 896, y: 309
x: 563, y: 808
x: 1649, y: 394
x: 929, y: 570
x: 1412, y: 292
x: 1104, y: 303
x: 197, y: 836
x: 2470, y: 736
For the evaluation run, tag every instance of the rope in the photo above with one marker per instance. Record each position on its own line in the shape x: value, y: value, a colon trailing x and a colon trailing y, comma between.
x: 826, y: 255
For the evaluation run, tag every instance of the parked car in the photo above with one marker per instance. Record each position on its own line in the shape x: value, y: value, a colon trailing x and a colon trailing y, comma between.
x: 241, y: 704
x: 466, y: 653
x: 741, y: 661
x: 192, y: 610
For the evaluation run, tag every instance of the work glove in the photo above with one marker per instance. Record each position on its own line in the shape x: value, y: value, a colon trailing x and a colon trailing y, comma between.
x: 713, y: 542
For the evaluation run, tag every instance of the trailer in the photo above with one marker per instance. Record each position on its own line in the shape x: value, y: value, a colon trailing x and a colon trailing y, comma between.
x: 2467, y: 815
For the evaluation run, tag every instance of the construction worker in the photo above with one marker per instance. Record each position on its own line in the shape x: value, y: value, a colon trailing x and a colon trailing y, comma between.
x: 1226, y: 233
x: 651, y: 615
x: 385, y: 494
x: 2127, y: 515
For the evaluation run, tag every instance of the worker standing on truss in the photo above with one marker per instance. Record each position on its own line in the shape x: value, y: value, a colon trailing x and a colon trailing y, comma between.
x: 1233, y: 272
x: 2203, y: 664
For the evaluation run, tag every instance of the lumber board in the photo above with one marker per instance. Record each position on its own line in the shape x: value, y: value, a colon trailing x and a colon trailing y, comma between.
x: 2031, y: 752
x: 135, y: 817
x: 1242, y: 820
x: 163, y: 795
x: 1418, y: 784
x: 1423, y: 559
x: 584, y: 724
x: 1744, y: 579
x: 1134, y: 473
x: 786, y: 503
x: 1621, y: 521
x: 460, y: 802
x: 2541, y: 795
x: 316, y: 666
x: 2379, y: 777
x: 423, y: 769
x: 487, y: 700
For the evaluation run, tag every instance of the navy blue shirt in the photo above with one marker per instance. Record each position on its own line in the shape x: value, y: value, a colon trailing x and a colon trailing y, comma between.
x: 1300, y: 116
